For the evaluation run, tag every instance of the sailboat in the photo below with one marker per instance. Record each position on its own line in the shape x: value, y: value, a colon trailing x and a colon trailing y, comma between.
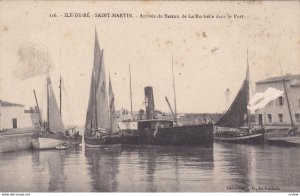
x: 100, y: 125
x: 234, y: 125
x: 53, y: 133
x: 293, y: 136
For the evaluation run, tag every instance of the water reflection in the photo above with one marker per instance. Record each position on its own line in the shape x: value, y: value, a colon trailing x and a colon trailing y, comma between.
x: 147, y: 168
x: 51, y: 164
x: 225, y: 167
x: 103, y: 168
x: 246, y: 168
x: 236, y: 166
x: 15, y: 171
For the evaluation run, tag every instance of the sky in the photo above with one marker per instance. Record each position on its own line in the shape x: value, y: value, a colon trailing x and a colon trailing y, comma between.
x: 209, y: 54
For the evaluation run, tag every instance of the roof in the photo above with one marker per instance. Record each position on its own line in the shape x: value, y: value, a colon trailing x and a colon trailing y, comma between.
x: 287, y: 77
x: 8, y: 104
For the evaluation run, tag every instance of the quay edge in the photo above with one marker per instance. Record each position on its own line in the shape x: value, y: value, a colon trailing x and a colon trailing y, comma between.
x: 16, y: 140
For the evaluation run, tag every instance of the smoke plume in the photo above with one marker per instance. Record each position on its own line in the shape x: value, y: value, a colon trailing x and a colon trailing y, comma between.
x: 33, y: 60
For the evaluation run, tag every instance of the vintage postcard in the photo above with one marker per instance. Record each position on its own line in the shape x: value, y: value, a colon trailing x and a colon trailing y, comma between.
x: 149, y: 96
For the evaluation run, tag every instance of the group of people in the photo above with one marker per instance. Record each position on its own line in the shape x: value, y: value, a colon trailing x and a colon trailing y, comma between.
x: 72, y: 133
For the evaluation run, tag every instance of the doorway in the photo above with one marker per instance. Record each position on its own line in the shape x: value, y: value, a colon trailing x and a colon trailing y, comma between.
x: 260, y: 119
x: 15, y: 123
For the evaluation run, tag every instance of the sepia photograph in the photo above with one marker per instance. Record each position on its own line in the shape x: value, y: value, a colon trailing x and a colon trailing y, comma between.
x: 149, y: 96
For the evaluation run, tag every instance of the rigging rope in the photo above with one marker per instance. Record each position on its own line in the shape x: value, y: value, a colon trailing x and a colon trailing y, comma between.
x: 293, y: 108
x: 44, y: 94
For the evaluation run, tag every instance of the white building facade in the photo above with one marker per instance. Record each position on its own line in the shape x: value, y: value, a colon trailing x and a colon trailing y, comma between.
x: 13, y: 116
x: 276, y: 113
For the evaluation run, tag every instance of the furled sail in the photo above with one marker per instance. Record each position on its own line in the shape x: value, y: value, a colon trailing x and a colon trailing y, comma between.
x: 237, y: 114
x: 113, y: 120
x: 55, y: 121
x: 98, y: 112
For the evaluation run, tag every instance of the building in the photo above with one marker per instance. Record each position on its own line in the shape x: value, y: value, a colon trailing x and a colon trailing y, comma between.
x: 198, y: 118
x: 276, y: 113
x: 14, y: 116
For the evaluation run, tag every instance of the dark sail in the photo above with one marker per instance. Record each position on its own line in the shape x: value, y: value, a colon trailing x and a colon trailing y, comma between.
x: 237, y: 114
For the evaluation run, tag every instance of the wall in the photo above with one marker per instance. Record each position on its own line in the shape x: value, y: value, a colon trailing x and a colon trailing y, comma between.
x: 15, y: 142
x: 10, y: 112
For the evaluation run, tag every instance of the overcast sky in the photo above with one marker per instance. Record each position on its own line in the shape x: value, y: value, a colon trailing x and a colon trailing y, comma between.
x: 210, y: 55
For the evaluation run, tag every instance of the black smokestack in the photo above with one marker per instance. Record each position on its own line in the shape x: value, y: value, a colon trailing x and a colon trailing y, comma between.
x: 149, y: 100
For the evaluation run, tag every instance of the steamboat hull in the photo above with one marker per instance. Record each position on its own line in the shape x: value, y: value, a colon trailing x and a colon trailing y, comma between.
x: 194, y: 135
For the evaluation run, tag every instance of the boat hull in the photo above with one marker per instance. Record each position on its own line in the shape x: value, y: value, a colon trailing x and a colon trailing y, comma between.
x: 293, y: 140
x: 45, y: 143
x: 194, y: 135
x: 41, y: 142
x: 62, y: 146
x: 240, y: 136
x: 254, y: 139
x: 284, y: 141
x: 282, y: 137
x: 94, y: 142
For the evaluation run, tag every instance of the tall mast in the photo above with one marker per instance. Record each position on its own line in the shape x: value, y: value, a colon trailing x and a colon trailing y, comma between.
x: 175, y: 105
x: 60, y: 83
x: 109, y: 103
x: 288, y: 102
x: 248, y: 78
x: 130, y: 94
x: 48, y: 101
x: 60, y: 94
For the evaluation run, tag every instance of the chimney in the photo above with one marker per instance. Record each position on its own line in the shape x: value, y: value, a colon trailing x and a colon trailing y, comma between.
x: 149, y: 101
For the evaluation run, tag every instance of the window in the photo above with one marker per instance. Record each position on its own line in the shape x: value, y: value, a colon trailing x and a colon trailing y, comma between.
x: 297, y: 116
x: 280, y: 101
x: 280, y: 117
x: 270, y: 118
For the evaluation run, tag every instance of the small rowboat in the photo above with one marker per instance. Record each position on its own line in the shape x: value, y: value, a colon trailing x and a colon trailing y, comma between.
x: 62, y: 146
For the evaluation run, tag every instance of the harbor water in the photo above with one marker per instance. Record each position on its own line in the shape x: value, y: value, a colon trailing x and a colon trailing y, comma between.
x: 221, y: 168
